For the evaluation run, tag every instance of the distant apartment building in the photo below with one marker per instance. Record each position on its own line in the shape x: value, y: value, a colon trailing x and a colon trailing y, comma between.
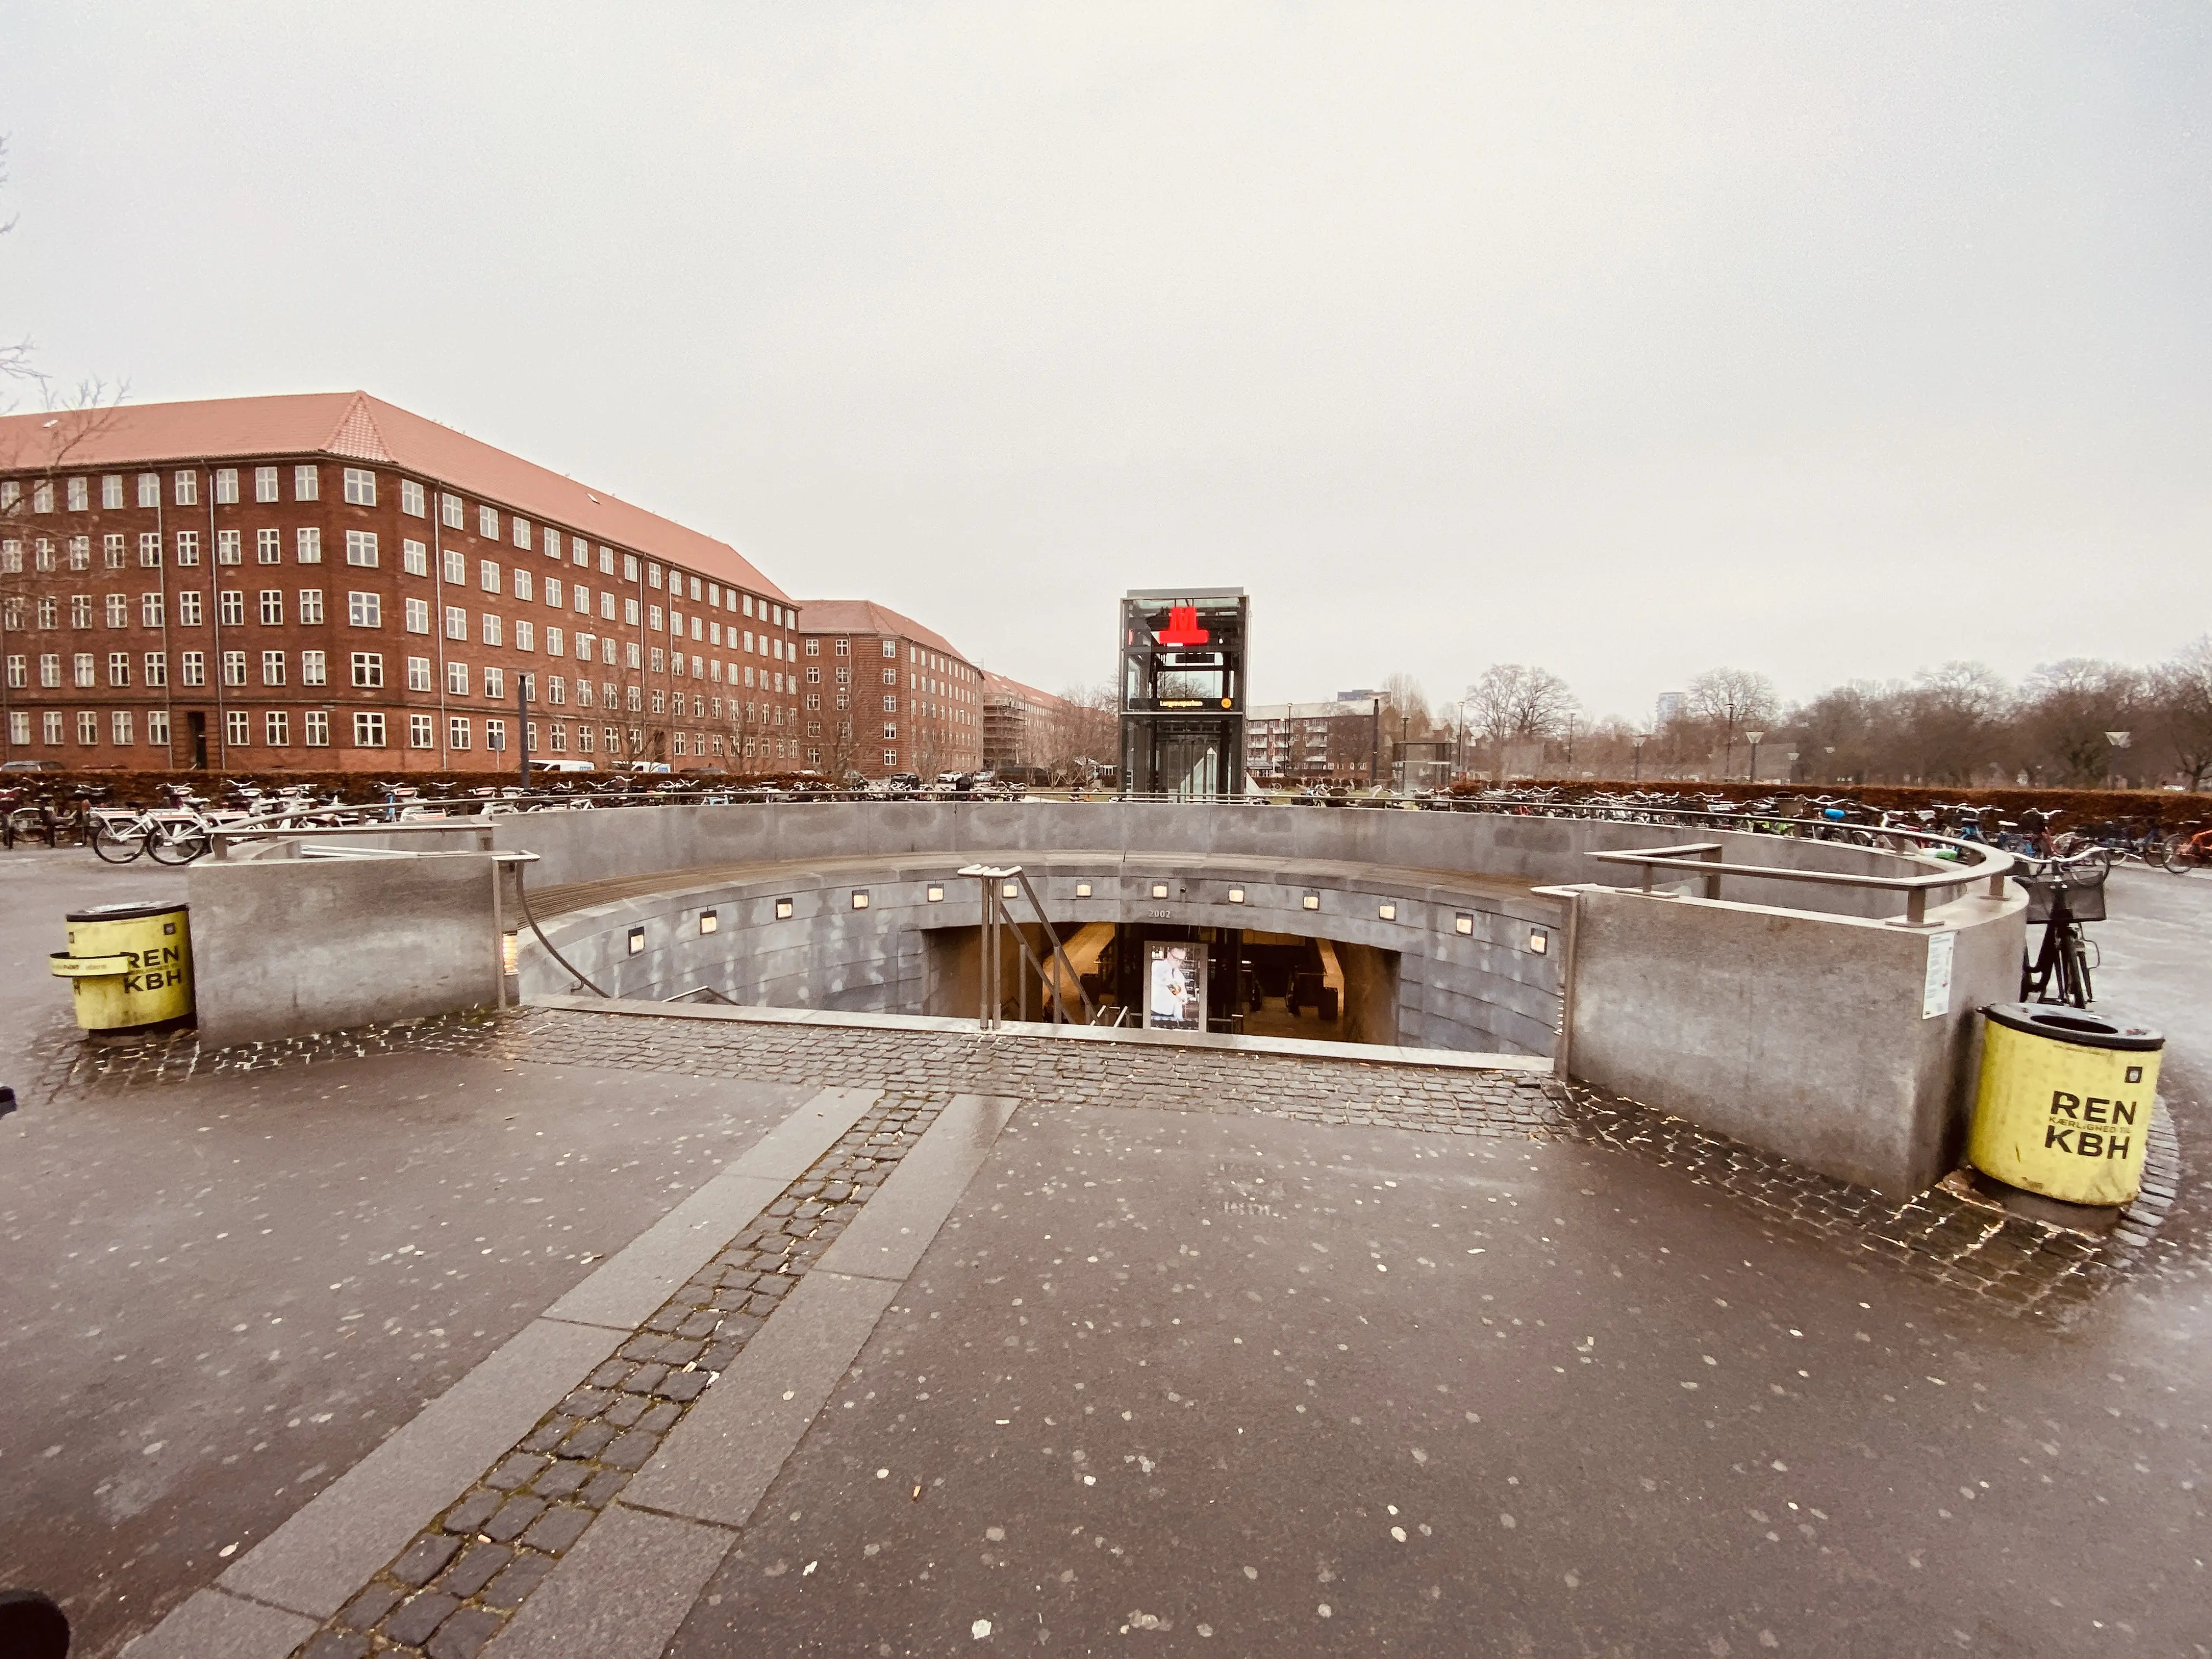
x: 1667, y: 708
x: 329, y: 582
x: 1023, y: 727
x: 1313, y: 742
x: 881, y: 694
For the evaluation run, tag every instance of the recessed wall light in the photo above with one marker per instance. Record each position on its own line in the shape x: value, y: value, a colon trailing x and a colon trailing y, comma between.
x: 1312, y: 900
x: 709, y: 921
x: 1159, y: 890
x: 1236, y: 896
x: 1010, y: 890
x: 1387, y: 910
x: 936, y: 894
x: 860, y: 898
x: 1464, y: 923
x: 1539, y: 940
x: 1083, y: 890
x: 783, y: 909
x: 636, y: 940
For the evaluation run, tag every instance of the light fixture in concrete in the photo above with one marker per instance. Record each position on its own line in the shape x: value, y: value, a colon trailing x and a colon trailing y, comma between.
x: 1312, y: 900
x: 1236, y: 896
x: 1159, y: 890
x: 860, y: 898
x: 709, y: 921
x: 1083, y: 890
x: 783, y: 909
x: 636, y: 940
x: 1464, y: 923
x: 1539, y: 940
x: 936, y: 894
x: 1387, y: 910
x: 1010, y: 890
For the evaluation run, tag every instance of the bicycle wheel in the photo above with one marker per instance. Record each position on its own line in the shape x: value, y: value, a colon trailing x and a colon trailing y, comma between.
x: 2178, y: 854
x: 2088, y: 868
x: 179, y: 844
x: 113, y: 845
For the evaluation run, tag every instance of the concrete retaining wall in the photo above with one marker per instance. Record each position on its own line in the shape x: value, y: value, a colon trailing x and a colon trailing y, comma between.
x: 1801, y: 1033
x: 594, y: 846
x: 289, y: 946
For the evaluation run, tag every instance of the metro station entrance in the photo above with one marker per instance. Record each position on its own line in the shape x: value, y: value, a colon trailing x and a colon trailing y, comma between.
x: 1182, y: 691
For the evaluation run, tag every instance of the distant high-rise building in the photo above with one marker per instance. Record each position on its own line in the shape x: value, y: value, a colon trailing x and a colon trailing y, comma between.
x: 1669, y: 707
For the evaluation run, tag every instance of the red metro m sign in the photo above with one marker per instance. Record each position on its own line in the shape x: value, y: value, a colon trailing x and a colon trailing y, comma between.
x: 1183, y: 627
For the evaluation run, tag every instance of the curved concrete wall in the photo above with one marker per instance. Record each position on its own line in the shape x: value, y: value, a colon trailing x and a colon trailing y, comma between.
x: 595, y: 846
x: 1486, y: 990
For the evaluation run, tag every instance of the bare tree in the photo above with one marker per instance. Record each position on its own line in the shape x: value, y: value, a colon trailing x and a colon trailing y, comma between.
x: 1734, y: 700
x: 2181, y: 699
x: 2065, y: 710
x: 1512, y: 701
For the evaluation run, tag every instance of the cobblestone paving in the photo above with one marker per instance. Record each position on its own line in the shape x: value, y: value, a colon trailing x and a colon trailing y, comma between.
x: 1946, y: 1235
x: 455, y: 1585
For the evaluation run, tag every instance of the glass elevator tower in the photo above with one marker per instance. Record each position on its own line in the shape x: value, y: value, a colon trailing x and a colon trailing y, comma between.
x: 1182, y: 691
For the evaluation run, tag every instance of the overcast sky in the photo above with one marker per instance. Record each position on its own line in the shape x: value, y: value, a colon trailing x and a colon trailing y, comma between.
x: 1832, y: 340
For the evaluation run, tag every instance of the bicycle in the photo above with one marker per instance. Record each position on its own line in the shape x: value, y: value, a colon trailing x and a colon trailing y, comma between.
x: 2062, y: 894
x: 2186, y: 849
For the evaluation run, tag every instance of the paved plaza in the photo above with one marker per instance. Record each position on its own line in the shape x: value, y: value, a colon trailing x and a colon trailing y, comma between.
x: 565, y: 1331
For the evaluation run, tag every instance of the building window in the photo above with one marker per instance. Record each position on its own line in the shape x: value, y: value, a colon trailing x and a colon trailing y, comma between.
x: 19, y: 673
x: 226, y: 548
x: 269, y: 546
x: 111, y: 491
x: 188, y: 489
x: 457, y: 623
x: 521, y: 528
x: 150, y: 549
x: 491, y: 627
x: 422, y: 731
x: 584, y: 739
x: 890, y: 731
x: 360, y: 487
x: 526, y: 635
x: 496, y: 736
x: 113, y: 555
x: 230, y: 608
x: 188, y: 547
x: 119, y: 668
x: 82, y: 662
x: 555, y: 642
x: 157, y: 667
x: 418, y: 673
x: 80, y: 552
x: 314, y: 668
x: 311, y: 606
x: 307, y: 544
x: 234, y: 668
x: 495, y: 682
x: 414, y: 558
x: 87, y: 728
x: 368, y: 729
x: 315, y: 728
x: 417, y: 615
x: 560, y: 735
x: 118, y: 610
x: 365, y: 610
x: 237, y: 729
x: 192, y: 669
x: 226, y: 486
x: 49, y: 610
x: 411, y: 499
x: 891, y: 757
x: 488, y: 523
x: 455, y: 564
x: 306, y: 485
x: 556, y: 690
x: 264, y: 484
x: 456, y: 679
x: 522, y: 588
x: 457, y: 732
x: 157, y: 727
x: 368, y: 668
x: 890, y: 649
x: 360, y: 548
x: 272, y: 668
x: 449, y: 511
x: 487, y: 576
x: 272, y: 607
x: 277, y: 728
x: 52, y: 725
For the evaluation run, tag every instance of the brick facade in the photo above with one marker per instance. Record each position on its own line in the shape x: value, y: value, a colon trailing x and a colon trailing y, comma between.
x: 882, y: 694
x: 342, y: 603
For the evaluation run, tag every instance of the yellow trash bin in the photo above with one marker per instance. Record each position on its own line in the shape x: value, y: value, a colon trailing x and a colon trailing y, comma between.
x: 129, y: 965
x: 2064, y: 1107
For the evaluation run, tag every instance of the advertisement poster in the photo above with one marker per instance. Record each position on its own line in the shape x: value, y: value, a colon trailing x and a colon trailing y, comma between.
x: 1174, y: 987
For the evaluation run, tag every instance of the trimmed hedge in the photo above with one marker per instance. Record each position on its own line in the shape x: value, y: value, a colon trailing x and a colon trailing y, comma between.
x: 2078, y: 808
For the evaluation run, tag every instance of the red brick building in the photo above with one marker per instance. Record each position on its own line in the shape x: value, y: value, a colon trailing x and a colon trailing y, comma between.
x: 327, y: 582
x: 883, y: 693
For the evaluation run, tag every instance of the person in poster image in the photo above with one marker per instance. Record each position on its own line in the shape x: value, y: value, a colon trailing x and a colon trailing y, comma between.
x: 1170, y: 988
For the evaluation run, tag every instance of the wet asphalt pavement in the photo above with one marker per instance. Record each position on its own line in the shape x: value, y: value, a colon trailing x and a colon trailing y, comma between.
x: 1165, y: 1379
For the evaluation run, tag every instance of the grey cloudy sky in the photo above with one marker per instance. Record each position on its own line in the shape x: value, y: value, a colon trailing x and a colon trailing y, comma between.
x: 1831, y: 340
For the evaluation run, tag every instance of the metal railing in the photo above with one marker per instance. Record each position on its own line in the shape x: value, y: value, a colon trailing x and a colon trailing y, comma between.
x: 998, y: 884
x: 1702, y: 860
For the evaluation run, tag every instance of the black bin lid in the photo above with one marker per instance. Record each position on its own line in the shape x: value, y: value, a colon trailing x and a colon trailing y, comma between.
x: 2062, y: 1024
x: 125, y: 912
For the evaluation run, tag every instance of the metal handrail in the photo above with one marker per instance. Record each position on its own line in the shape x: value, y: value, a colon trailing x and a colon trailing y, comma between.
x: 1703, y: 859
x: 989, y: 999
x: 221, y: 839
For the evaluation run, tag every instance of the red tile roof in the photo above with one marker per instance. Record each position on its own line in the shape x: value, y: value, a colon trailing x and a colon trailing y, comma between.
x: 1001, y: 685
x: 354, y: 426
x: 866, y: 616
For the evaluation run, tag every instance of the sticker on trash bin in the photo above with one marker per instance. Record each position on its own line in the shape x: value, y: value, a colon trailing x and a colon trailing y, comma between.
x: 1935, y: 989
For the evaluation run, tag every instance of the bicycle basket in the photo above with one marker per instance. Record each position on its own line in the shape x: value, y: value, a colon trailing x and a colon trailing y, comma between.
x: 2052, y: 887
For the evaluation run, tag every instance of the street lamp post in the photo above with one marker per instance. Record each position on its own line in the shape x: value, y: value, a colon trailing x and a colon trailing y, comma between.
x: 1636, y: 744
x: 1829, y: 749
x: 1753, y: 738
x: 2119, y: 741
